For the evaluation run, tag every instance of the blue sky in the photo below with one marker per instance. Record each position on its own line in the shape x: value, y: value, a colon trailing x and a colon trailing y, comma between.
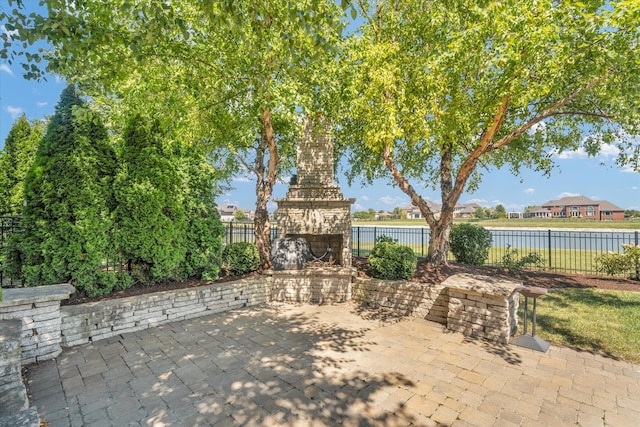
x: 597, y: 178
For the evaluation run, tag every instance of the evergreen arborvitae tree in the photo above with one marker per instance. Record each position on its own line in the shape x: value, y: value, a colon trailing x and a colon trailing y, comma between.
x: 150, y: 216
x: 66, y: 222
x: 167, y: 225
x: 204, y: 231
x: 15, y: 160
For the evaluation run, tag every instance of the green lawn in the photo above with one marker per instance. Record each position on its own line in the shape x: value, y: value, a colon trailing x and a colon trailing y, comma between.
x: 597, y: 320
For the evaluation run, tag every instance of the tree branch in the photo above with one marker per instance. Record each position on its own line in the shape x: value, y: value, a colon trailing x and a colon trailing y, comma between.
x: 407, y: 188
x: 551, y: 111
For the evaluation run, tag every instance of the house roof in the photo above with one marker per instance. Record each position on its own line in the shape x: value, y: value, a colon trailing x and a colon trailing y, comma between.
x: 435, y: 207
x: 571, y: 201
x: 582, y: 201
x: 538, y: 209
x: 608, y: 206
x: 227, y: 209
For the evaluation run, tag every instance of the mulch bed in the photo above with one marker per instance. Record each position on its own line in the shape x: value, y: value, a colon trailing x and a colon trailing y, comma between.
x: 425, y: 273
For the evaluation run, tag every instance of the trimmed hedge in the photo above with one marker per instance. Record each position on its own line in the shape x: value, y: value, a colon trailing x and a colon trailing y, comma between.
x: 389, y: 260
x: 240, y: 258
x: 470, y: 243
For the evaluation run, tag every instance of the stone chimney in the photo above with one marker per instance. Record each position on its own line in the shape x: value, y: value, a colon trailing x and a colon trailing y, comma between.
x: 314, y: 208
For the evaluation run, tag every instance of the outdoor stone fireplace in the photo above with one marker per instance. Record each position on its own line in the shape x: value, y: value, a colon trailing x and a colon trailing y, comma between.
x: 315, y: 209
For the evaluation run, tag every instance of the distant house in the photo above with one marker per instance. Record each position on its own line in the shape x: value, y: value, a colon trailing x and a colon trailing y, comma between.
x: 538, y: 212
x: 381, y: 216
x: 578, y: 207
x: 249, y: 214
x: 466, y: 210
x: 227, y: 213
x: 412, y: 212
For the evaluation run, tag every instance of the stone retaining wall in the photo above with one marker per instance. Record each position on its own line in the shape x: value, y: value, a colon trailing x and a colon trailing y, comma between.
x: 39, y: 310
x: 430, y: 302
x: 14, y: 404
x: 98, y: 320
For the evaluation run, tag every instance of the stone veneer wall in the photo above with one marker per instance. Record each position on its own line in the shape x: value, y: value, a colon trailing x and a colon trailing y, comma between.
x: 39, y: 310
x: 312, y: 285
x: 430, y: 302
x: 483, y: 306
x: 98, y: 320
x: 14, y: 403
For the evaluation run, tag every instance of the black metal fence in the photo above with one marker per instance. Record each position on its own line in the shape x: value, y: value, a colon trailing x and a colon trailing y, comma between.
x: 8, y: 226
x: 562, y: 251
x: 565, y: 251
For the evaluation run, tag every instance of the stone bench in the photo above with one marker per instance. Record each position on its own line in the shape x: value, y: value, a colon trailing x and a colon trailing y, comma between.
x: 483, y: 306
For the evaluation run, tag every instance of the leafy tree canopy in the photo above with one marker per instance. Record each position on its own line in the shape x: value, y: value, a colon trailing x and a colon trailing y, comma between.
x: 226, y: 74
x: 439, y: 91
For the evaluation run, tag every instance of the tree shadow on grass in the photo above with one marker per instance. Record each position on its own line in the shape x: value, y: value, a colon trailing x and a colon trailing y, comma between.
x: 571, y: 335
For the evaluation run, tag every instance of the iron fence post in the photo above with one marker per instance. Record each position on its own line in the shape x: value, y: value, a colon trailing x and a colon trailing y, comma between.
x: 358, y: 234
x: 636, y: 238
x: 549, y: 244
x: 230, y: 232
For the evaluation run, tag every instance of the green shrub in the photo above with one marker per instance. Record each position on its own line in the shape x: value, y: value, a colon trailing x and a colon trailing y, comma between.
x: 240, y: 258
x: 389, y: 260
x: 514, y: 264
x: 613, y: 263
x: 383, y: 238
x: 470, y: 243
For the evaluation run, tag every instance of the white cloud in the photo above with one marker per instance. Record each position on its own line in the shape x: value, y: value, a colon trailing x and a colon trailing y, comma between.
x: 391, y: 201
x: 608, y: 150
x: 529, y: 190
x: 512, y: 207
x: 359, y: 207
x: 228, y: 202
x: 634, y: 188
x: 365, y: 198
x: 241, y: 179
x: 14, y: 112
x: 538, y: 127
x: 497, y: 202
x: 6, y: 69
x: 481, y: 202
x: 567, y: 155
x: 42, y: 104
x: 9, y: 34
x: 627, y: 169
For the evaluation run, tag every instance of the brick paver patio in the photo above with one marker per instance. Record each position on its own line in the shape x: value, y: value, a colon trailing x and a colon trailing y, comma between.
x: 326, y: 365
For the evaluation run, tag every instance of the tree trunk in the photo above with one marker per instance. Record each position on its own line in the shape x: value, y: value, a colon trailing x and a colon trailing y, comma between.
x: 439, y: 242
x: 266, y: 179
